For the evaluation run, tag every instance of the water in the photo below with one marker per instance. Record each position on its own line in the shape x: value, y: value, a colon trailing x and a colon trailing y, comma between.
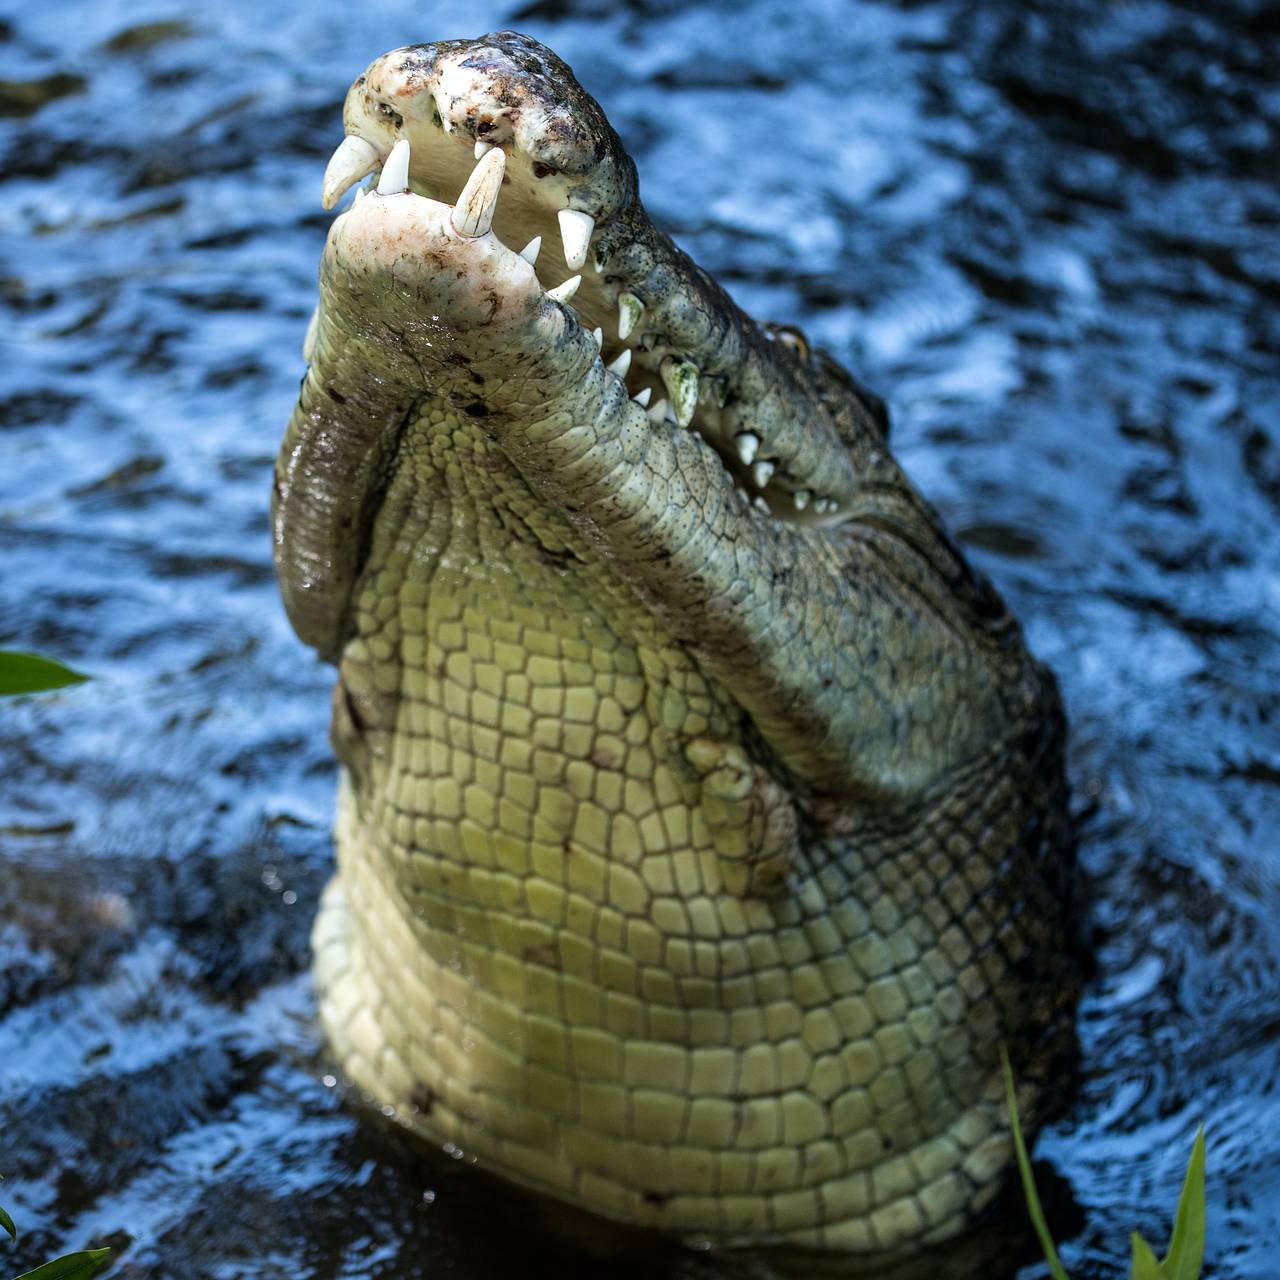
x: 1047, y: 232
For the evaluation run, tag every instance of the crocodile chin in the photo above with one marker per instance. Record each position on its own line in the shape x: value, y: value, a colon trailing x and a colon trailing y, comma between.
x: 702, y: 829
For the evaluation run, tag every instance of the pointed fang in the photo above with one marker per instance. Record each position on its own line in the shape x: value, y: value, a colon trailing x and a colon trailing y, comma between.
x: 643, y: 396
x: 349, y: 163
x: 563, y: 292
x: 630, y: 309
x: 747, y: 445
x: 395, y: 173
x: 575, y: 232
x: 762, y: 473
x: 530, y: 252
x: 660, y: 412
x: 801, y: 499
x: 681, y: 380
x: 473, y: 214
x: 482, y: 148
x: 622, y: 364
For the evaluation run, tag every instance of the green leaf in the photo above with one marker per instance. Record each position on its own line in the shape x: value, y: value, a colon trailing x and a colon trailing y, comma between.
x: 1056, y: 1268
x: 31, y: 673
x: 1145, y: 1266
x: 1186, y: 1249
x: 75, y: 1266
x: 7, y: 1223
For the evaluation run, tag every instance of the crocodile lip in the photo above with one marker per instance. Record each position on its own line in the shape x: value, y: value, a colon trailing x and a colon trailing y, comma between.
x: 427, y: 134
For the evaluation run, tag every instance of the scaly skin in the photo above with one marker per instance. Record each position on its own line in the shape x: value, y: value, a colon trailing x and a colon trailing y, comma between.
x: 695, y: 855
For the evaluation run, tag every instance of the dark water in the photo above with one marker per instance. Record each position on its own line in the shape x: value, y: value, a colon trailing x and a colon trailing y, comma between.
x: 1050, y: 234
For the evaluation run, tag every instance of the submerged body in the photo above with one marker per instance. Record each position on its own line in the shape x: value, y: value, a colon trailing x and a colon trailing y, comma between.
x: 702, y: 832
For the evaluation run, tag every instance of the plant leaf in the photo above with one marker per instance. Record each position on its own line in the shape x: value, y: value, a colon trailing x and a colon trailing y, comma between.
x: 1186, y: 1248
x: 74, y: 1266
x: 1056, y: 1268
x: 32, y: 673
x: 1145, y: 1266
x: 7, y: 1223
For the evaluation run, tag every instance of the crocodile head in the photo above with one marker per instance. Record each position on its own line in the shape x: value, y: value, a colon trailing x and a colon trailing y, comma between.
x: 588, y: 544
x: 735, y: 480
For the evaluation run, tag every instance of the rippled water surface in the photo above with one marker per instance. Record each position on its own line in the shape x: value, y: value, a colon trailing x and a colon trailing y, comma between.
x: 1048, y: 233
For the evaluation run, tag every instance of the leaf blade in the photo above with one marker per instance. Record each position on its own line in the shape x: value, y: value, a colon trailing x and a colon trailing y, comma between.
x: 7, y: 1223
x: 1056, y: 1269
x: 1186, y: 1247
x: 33, y: 673
x: 72, y: 1266
x: 1144, y: 1265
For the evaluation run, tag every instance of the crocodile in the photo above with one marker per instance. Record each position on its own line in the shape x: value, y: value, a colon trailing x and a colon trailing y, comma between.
x: 702, y: 828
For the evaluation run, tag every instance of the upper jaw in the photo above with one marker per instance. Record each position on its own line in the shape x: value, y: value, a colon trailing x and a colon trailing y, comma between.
x: 456, y: 99
x: 677, y: 341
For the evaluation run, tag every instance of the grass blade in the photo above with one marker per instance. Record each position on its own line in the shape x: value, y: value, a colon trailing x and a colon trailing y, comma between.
x: 1056, y: 1268
x: 7, y: 1223
x: 1186, y: 1248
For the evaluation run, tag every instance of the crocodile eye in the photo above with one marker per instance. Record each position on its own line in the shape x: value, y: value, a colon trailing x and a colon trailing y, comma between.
x: 541, y: 170
x: 394, y: 116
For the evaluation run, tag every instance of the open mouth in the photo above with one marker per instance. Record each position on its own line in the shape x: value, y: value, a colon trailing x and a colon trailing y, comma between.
x: 442, y: 130
x: 509, y: 354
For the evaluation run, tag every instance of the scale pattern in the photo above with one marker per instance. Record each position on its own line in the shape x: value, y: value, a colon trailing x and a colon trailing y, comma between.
x: 581, y: 933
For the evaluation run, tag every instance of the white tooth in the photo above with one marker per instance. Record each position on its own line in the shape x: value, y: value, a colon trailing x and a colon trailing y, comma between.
x: 824, y: 505
x: 563, y: 292
x: 642, y: 397
x: 762, y: 472
x: 309, y: 342
x: 622, y: 364
x: 481, y: 148
x: 747, y: 447
x: 681, y: 380
x: 742, y: 494
x: 661, y: 412
x: 349, y: 163
x: 760, y: 504
x: 575, y: 232
x: 530, y: 252
x: 395, y: 173
x: 473, y: 214
x: 630, y: 309
x: 800, y: 498
x: 598, y: 334
x: 360, y: 195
